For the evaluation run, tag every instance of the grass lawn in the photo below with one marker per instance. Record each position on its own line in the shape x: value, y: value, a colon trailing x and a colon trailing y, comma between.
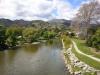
x: 88, y: 73
x: 67, y: 41
x: 87, y: 60
x: 85, y: 49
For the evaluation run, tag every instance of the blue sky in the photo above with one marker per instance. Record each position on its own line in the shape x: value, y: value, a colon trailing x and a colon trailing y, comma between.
x: 75, y: 3
x: 39, y: 9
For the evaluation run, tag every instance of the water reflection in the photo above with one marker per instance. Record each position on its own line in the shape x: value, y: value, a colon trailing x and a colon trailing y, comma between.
x: 54, y: 43
x: 7, y: 56
x: 38, y: 59
x: 31, y: 48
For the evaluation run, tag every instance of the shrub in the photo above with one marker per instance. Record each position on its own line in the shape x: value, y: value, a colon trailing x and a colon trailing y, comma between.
x: 94, y: 40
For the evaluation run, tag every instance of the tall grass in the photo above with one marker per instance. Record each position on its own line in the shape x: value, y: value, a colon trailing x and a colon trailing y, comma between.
x: 66, y: 40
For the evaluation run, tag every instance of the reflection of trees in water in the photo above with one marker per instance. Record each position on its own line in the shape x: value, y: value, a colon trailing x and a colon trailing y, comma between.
x: 6, y: 60
x: 2, y: 54
x: 54, y: 43
x: 49, y: 42
x: 7, y: 56
x: 32, y: 48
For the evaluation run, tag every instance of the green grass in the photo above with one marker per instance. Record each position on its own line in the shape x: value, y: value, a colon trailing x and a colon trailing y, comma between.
x: 87, y: 60
x: 88, y: 73
x: 76, y: 68
x: 67, y: 41
x: 85, y: 49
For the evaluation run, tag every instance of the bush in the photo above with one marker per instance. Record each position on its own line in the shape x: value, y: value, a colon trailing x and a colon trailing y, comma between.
x: 94, y: 40
x: 72, y: 35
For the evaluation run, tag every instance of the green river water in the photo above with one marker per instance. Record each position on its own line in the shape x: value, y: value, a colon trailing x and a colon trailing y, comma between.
x: 38, y: 59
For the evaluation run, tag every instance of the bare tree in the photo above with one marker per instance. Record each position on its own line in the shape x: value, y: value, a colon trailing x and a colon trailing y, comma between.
x: 88, y: 13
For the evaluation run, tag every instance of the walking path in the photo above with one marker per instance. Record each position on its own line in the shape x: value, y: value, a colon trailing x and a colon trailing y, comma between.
x: 80, y: 52
x: 74, y: 61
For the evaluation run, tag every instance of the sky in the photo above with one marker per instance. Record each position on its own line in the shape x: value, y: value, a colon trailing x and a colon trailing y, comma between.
x: 39, y: 9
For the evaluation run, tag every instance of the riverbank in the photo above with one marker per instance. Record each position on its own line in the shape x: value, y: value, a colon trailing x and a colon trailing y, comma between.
x: 5, y: 47
x: 81, y: 44
x: 74, y: 65
x: 88, y: 59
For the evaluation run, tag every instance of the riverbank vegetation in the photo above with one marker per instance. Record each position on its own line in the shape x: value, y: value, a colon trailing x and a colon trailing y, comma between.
x: 93, y: 39
x: 86, y: 24
x: 87, y: 60
x: 89, y: 46
x: 16, y: 35
x: 70, y: 59
x: 86, y: 49
x: 66, y: 41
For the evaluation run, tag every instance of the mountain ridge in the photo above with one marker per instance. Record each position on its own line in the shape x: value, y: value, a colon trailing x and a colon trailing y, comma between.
x: 8, y: 22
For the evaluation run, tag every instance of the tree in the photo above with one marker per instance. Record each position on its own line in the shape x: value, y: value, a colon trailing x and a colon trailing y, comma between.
x: 94, y: 40
x: 29, y: 34
x: 2, y: 38
x: 89, y: 13
x: 2, y: 34
x: 12, y: 34
x: 49, y: 34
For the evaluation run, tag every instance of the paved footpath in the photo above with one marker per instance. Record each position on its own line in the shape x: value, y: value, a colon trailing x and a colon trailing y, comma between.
x: 80, y: 52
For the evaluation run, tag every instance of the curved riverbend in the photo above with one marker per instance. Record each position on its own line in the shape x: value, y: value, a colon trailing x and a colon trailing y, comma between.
x: 40, y: 59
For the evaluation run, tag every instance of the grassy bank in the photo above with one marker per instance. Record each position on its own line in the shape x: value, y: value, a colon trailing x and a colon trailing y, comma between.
x: 66, y: 41
x: 85, y: 49
x: 87, y: 60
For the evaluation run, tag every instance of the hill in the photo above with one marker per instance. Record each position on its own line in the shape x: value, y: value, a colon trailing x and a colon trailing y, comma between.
x: 37, y: 23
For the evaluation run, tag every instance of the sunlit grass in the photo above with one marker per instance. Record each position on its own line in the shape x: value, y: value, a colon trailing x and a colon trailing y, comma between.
x: 85, y: 49
x: 67, y: 41
x: 87, y: 60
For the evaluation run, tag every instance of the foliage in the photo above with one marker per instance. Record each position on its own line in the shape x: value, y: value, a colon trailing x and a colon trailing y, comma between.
x: 12, y: 34
x: 32, y: 34
x: 66, y: 40
x: 71, y: 34
x: 86, y: 49
x: 13, y: 31
x: 87, y: 16
x: 2, y: 35
x: 49, y: 34
x: 94, y: 40
x: 29, y: 34
x: 17, y: 35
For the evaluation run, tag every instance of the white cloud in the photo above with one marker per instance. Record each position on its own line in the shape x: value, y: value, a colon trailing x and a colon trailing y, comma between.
x: 36, y: 9
x: 65, y: 10
x: 98, y: 1
x: 7, y: 9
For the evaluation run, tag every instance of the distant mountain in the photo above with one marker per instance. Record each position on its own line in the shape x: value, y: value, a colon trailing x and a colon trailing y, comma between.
x: 53, y: 22
x: 22, y: 23
x: 60, y: 22
x: 40, y: 24
x: 7, y: 22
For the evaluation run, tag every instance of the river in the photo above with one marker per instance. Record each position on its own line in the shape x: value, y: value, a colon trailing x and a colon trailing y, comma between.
x: 38, y: 59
